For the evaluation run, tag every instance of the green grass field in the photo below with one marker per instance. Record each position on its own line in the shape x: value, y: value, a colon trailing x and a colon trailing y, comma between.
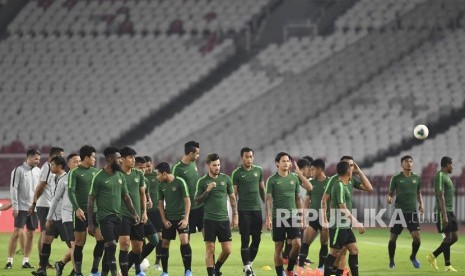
x: 373, y: 256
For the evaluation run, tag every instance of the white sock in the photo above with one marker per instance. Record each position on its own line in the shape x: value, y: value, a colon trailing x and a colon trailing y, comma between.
x: 10, y: 260
x: 25, y: 260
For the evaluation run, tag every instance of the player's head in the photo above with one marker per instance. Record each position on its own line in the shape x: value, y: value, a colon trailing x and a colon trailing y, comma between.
x: 32, y: 157
x: 446, y: 164
x: 213, y: 163
x: 148, y: 163
x: 56, y: 151
x: 309, y: 158
x: 192, y: 150
x: 343, y: 169
x: 141, y: 163
x: 318, y: 167
x: 87, y: 154
x: 406, y: 162
x: 247, y: 157
x: 73, y: 160
x: 349, y: 159
x: 57, y: 164
x: 163, y: 170
x: 128, y: 157
x: 304, y: 167
x: 283, y: 161
x: 113, y: 158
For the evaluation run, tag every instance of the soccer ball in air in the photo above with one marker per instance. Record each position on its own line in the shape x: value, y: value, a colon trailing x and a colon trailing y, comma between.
x: 421, y: 132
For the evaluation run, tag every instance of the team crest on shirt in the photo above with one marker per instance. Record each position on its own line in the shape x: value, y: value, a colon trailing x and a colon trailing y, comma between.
x: 93, y: 173
x: 195, y: 168
x: 255, y: 174
x: 223, y: 183
x: 136, y: 179
x: 174, y: 189
x: 120, y: 181
x: 292, y: 182
x: 414, y: 181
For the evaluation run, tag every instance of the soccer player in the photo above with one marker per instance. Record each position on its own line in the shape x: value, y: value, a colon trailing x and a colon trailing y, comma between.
x: 43, y: 194
x: 54, y: 224
x: 152, y: 212
x: 213, y: 190
x: 340, y: 233
x: 313, y: 202
x: 186, y: 168
x: 24, y: 180
x: 444, y: 211
x: 283, y: 193
x: 174, y: 205
x: 108, y: 187
x: 249, y: 189
x: 406, y: 186
x: 79, y: 182
x: 132, y: 233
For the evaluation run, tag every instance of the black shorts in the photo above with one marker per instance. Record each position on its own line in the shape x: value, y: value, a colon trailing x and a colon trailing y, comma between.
x: 196, y: 220
x: 67, y: 232
x: 283, y: 232
x: 110, y: 227
x: 42, y: 213
x: 129, y: 228
x: 170, y: 233
x: 315, y: 224
x: 250, y: 222
x: 412, y: 222
x: 149, y: 229
x: 23, y: 218
x: 338, y: 237
x: 55, y: 230
x: 220, y: 229
x: 81, y: 226
x: 451, y: 227
x: 155, y: 219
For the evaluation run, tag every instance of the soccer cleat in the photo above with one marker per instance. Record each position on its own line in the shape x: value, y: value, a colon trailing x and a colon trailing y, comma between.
x: 8, y: 265
x: 432, y: 261
x: 140, y: 274
x: 248, y: 270
x: 449, y: 268
x: 58, y: 268
x: 27, y: 265
x: 188, y: 273
x: 78, y: 274
x: 415, y: 263
x: 39, y: 272
x: 95, y: 274
x: 290, y: 273
x: 157, y: 267
x: 392, y: 265
x: 164, y: 274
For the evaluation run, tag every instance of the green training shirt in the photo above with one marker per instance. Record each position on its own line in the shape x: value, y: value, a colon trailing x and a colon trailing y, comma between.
x: 283, y: 190
x: 406, y: 190
x: 134, y: 181
x: 248, y: 187
x: 152, y: 186
x: 214, y: 206
x: 173, y: 193
x: 190, y: 174
x: 79, y: 183
x: 443, y: 183
x: 340, y: 194
x: 316, y: 194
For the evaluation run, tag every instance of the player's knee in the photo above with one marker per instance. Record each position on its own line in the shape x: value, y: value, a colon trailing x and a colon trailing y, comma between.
x: 296, y: 244
x: 165, y: 243
x: 227, y: 251
x: 110, y: 243
x: 210, y: 248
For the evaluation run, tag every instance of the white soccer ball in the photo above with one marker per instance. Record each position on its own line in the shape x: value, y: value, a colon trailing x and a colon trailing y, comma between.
x: 144, y: 265
x: 421, y: 132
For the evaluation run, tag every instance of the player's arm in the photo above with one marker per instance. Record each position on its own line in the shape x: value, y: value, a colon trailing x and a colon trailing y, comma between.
x: 201, y: 196
x: 161, y: 209
x: 355, y: 222
x: 44, y: 174
x: 307, y: 201
x: 187, y: 204
x: 439, y: 187
x: 392, y: 189
x: 72, y: 178
x: 366, y: 184
x: 128, y: 202
x: 300, y: 211
x: 269, y: 203
x: 16, y: 178
x: 262, y: 191
x: 143, y: 204
x: 59, y: 192
x: 303, y: 180
x: 233, y: 202
x: 90, y: 214
x: 6, y: 206
x: 147, y: 194
x: 420, y: 198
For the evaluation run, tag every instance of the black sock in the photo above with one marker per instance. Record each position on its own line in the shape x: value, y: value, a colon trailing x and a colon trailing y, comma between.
x: 211, y: 271
x: 78, y: 258
x: 136, y: 259
x: 45, y: 255
x: 447, y: 255
x: 245, y: 255
x: 98, y: 252
x: 353, y: 264
x: 110, y: 251
x: 254, y: 245
x: 303, y: 254
x: 218, y: 265
x: 147, y: 249
x: 279, y: 270
x: 186, y: 253
x: 105, y: 264
x: 164, y: 255
x: 158, y: 252
x: 415, y: 247
x: 323, y: 254
x: 287, y: 249
x: 131, y: 259
x: 392, y: 250
x: 253, y: 253
x: 290, y: 264
x: 440, y: 249
x: 329, y: 265
x: 123, y: 262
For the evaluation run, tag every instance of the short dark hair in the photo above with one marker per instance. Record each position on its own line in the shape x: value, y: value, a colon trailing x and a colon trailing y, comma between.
x: 342, y: 168
x: 71, y: 156
x: 302, y: 163
x: 127, y: 151
x: 445, y: 161
x: 281, y: 154
x: 86, y: 151
x: 148, y: 158
x: 59, y: 161
x: 56, y: 151
x: 212, y: 157
x: 405, y: 157
x: 190, y: 147
x: 163, y: 167
x: 309, y: 158
x: 140, y: 160
x: 245, y: 149
x: 32, y: 152
x: 319, y: 163
x: 348, y: 157
x: 110, y: 151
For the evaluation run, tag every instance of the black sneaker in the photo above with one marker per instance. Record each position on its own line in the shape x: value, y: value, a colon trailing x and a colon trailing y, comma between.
x: 39, y: 272
x: 8, y: 265
x: 59, y: 268
x: 27, y: 265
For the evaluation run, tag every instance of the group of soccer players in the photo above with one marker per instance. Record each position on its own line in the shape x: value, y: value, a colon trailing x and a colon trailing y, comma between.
x: 141, y: 206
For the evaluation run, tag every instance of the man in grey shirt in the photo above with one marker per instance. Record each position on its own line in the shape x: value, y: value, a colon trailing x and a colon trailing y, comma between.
x: 24, y: 180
